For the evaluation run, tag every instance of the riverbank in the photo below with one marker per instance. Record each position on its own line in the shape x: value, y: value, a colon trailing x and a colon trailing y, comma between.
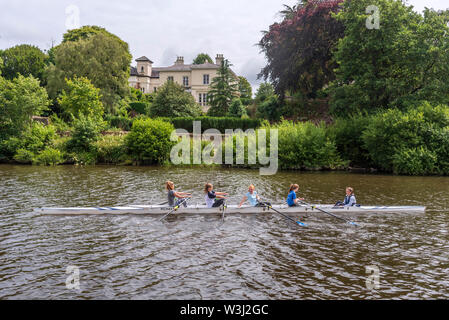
x: 408, y: 142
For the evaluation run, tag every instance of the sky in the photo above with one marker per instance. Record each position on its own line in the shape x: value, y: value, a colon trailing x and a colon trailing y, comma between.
x: 158, y: 29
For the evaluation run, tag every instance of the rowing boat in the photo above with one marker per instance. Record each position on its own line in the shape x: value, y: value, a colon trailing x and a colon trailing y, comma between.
x: 202, y: 209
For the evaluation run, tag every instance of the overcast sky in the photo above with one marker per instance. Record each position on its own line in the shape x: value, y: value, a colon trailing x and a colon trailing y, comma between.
x: 158, y: 29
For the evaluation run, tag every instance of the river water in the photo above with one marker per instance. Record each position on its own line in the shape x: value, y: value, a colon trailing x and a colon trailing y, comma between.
x: 194, y: 257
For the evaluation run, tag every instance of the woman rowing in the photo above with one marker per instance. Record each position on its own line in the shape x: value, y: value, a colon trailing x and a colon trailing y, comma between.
x: 213, y: 199
x: 350, y: 199
x: 172, y: 195
x: 251, y: 196
x: 292, y: 199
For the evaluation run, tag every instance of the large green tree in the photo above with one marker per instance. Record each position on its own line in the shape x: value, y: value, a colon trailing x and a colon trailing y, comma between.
x: 202, y: 58
x: 81, y: 99
x: 173, y: 101
x: 23, y: 60
x: 20, y: 99
x: 403, y: 60
x: 223, y: 90
x: 100, y: 57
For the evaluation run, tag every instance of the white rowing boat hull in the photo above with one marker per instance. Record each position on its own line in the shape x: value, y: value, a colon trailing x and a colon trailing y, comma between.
x: 201, y: 209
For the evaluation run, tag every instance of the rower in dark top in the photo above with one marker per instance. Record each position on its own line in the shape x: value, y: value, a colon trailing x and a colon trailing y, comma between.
x: 213, y: 199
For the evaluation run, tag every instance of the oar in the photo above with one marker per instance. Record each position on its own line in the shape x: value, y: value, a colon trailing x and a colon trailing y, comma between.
x: 302, y: 224
x: 174, y: 209
x: 331, y: 214
x: 225, y: 206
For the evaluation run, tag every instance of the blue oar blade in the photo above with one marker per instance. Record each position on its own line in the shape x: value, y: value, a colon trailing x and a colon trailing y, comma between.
x: 302, y: 224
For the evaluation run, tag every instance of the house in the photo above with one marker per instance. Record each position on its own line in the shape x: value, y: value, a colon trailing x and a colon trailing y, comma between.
x: 196, y: 79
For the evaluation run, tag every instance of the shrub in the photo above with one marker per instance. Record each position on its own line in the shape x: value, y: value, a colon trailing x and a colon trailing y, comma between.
x: 220, y: 124
x: 85, y: 133
x: 390, y: 131
x: 24, y: 156
x: 237, y: 109
x: 270, y: 109
x: 347, y: 134
x: 121, y: 122
x: 111, y: 149
x: 35, y: 139
x: 417, y: 161
x: 49, y: 157
x: 38, y: 137
x: 139, y: 107
x: 149, y: 141
x: 305, y: 145
x: 393, y: 136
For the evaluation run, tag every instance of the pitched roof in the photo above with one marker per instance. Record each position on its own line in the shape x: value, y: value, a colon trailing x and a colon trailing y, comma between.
x: 143, y: 58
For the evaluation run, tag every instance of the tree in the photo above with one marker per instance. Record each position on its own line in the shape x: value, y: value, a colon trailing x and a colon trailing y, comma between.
x: 102, y: 58
x: 81, y: 99
x: 20, y: 99
x: 86, y: 32
x: 237, y: 109
x: 264, y: 92
x: 224, y: 88
x: 404, y: 61
x: 25, y: 60
x: 269, y: 109
x: 1, y: 63
x: 299, y: 49
x: 202, y: 58
x: 246, y: 91
x: 173, y: 101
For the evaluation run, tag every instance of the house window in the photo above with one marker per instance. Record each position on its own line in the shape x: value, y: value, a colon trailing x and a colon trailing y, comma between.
x: 142, y: 70
x: 203, y: 99
x: 142, y: 89
x: 155, y: 89
x: 170, y: 79
x: 205, y: 79
x: 185, y: 81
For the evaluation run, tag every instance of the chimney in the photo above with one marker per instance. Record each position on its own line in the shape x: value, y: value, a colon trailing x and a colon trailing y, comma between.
x: 219, y: 59
x: 179, y: 60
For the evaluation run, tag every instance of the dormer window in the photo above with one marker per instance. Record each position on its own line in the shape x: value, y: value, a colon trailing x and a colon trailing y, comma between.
x: 142, y: 70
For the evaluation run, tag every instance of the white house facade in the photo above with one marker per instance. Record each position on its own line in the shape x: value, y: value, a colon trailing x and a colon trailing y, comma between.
x: 196, y: 79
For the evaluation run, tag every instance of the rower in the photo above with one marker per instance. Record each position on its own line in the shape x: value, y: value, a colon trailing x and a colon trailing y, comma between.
x: 292, y: 200
x: 172, y: 194
x: 350, y: 199
x: 251, y: 196
x: 213, y: 199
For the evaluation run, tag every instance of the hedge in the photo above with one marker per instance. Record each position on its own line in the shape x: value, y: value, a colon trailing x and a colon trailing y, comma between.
x: 219, y: 123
